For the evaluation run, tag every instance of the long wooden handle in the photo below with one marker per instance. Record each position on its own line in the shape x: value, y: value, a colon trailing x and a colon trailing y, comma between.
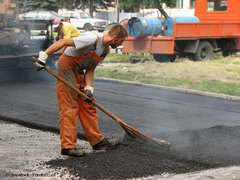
x: 80, y: 93
x: 124, y: 125
x: 150, y: 41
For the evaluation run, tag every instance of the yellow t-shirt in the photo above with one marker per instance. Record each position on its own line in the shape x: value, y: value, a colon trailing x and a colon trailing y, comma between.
x: 69, y: 31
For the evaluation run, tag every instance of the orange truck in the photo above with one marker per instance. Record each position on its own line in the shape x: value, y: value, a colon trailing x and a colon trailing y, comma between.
x: 217, y: 28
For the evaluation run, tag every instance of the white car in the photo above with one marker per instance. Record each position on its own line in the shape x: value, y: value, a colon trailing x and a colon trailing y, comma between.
x: 82, y: 20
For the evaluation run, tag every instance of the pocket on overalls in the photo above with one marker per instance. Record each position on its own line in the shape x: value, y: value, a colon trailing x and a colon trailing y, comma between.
x: 87, y: 64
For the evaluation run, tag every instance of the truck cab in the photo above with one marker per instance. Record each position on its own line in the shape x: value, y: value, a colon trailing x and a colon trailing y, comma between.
x: 217, y: 10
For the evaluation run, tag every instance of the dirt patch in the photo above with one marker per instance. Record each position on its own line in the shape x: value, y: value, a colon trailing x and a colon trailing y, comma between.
x: 103, y: 65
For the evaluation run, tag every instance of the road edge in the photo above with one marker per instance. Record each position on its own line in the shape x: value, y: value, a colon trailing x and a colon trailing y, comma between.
x: 189, y: 91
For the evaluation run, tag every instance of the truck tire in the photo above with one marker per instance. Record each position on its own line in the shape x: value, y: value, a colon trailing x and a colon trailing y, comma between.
x: 190, y: 56
x: 164, y: 57
x: 204, y: 51
x: 225, y: 53
x: 87, y: 27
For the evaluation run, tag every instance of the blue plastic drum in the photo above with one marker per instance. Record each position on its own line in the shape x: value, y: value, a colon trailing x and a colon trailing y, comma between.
x: 169, y: 23
x: 142, y: 27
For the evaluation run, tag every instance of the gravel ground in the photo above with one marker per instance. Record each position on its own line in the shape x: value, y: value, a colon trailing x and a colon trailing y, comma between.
x: 29, y: 153
x: 24, y: 152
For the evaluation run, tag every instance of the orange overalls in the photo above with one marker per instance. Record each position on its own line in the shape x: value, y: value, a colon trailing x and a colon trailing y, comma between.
x: 71, y: 105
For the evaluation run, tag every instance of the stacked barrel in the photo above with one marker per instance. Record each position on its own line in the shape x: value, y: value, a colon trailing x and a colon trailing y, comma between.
x: 142, y: 27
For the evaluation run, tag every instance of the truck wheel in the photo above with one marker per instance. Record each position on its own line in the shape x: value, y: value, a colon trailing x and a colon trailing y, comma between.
x: 190, y: 56
x: 225, y: 53
x: 134, y: 59
x: 204, y: 51
x: 164, y: 57
x: 87, y: 27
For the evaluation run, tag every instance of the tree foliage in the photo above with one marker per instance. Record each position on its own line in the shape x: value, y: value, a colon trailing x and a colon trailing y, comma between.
x: 130, y: 4
x: 94, y: 4
x: 54, y: 5
x: 29, y: 5
x: 127, y: 5
x: 169, y: 3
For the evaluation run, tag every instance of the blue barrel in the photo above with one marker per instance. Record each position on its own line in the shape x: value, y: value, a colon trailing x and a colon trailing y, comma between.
x: 141, y: 27
x: 169, y: 23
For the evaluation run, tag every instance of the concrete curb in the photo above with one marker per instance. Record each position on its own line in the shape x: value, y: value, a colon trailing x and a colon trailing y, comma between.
x: 224, y: 96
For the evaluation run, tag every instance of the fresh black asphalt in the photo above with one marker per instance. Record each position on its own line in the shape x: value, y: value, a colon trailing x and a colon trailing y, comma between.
x: 204, y: 130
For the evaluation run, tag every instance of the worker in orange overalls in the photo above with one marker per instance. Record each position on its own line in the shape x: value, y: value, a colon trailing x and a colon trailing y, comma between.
x: 77, y: 65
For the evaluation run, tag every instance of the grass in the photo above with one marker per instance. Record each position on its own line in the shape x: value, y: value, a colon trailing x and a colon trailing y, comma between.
x: 108, y: 27
x: 114, y: 58
x: 37, y: 32
x: 220, y: 75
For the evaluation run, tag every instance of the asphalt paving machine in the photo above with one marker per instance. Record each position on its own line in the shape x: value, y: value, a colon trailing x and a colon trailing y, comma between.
x: 13, y: 35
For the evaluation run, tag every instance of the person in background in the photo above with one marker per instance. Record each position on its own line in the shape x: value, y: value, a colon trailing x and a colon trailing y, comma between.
x: 77, y: 65
x: 65, y: 29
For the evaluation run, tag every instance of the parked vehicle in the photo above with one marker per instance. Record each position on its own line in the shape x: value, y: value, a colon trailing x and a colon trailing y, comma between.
x: 215, y: 26
x: 40, y: 16
x: 82, y: 20
x: 40, y: 20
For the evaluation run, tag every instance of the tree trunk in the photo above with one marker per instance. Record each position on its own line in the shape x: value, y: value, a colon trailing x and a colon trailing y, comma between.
x: 159, y: 6
x: 91, y: 8
x: 118, y: 9
x: 17, y: 11
x: 81, y: 4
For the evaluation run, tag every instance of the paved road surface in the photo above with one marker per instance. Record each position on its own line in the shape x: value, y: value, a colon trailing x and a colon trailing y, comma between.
x: 22, y: 156
x: 201, y: 128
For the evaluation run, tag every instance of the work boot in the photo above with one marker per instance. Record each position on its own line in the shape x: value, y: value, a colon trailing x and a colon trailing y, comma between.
x: 73, y: 152
x: 106, y: 144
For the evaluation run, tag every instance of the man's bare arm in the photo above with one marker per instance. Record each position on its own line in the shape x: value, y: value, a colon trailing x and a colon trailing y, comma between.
x: 59, y: 45
x: 89, y: 76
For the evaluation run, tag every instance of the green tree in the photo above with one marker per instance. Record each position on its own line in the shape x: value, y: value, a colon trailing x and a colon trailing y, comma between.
x: 158, y: 5
x: 54, y: 5
x: 30, y: 5
x: 130, y: 4
x: 69, y: 4
x: 94, y: 4
x: 51, y: 5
